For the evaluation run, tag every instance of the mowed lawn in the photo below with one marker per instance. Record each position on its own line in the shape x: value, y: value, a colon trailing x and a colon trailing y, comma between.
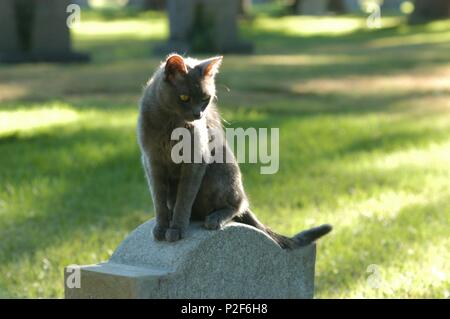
x: 364, y: 119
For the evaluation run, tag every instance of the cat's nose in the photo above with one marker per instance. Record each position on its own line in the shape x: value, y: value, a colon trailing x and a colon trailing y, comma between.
x: 197, y: 115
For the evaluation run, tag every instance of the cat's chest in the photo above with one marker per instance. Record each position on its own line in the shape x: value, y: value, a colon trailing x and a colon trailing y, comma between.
x: 163, y: 146
x: 174, y: 141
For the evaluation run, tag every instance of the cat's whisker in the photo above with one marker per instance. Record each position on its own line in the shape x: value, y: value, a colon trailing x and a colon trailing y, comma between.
x: 225, y: 121
x: 226, y: 87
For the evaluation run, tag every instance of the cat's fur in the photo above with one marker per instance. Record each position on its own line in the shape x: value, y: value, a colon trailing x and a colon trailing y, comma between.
x: 208, y: 192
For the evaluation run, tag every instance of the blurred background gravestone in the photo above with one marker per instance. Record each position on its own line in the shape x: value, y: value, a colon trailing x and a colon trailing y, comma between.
x: 35, y: 31
x: 391, y: 5
x: 147, y: 4
x: 81, y: 3
x: 8, y: 32
x: 204, y: 26
x: 427, y: 10
x: 351, y: 6
x: 323, y: 7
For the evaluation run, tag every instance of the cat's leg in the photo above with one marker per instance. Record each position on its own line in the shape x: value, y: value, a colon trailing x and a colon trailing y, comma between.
x: 158, y: 184
x: 218, y: 218
x: 191, y: 177
x: 172, y: 196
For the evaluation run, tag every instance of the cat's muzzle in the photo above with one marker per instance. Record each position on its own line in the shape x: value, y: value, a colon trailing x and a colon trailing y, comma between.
x: 197, y: 115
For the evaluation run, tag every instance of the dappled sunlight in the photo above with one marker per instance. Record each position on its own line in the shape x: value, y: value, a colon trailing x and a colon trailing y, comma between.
x: 312, y: 25
x: 379, y: 208
x: 72, y: 200
x: 364, y: 145
x: 362, y: 185
x: 429, y: 164
x: 438, y: 26
x: 298, y: 60
x: 50, y: 83
x: 124, y: 39
x: 433, y: 81
x: 23, y: 120
x: 127, y: 29
x: 440, y: 34
x: 422, y: 272
x: 9, y: 92
x: 388, y: 244
x: 434, y: 157
x: 425, y: 268
x: 414, y: 39
x: 88, y: 245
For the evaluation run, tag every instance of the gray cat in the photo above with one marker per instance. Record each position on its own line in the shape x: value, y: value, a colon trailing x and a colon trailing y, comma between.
x: 181, y: 94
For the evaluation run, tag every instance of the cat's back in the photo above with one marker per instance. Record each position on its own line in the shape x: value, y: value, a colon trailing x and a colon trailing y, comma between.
x: 150, y: 128
x: 150, y: 99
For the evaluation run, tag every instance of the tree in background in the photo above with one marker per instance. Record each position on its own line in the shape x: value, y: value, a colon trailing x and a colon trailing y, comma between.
x: 204, y: 26
x: 337, y: 6
x: 427, y: 10
x: 147, y: 4
x: 317, y: 7
x: 154, y: 4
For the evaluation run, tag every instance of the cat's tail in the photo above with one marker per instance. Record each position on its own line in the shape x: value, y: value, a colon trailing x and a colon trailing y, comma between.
x: 303, y: 238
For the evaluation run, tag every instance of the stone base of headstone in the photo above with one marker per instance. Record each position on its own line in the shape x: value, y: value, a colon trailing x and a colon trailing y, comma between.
x: 236, y: 262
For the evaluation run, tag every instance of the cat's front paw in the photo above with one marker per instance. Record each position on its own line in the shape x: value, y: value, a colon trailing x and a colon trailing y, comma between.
x: 174, y: 234
x: 213, y: 222
x: 159, y: 233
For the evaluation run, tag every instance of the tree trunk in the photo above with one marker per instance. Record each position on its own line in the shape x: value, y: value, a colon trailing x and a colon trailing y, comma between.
x: 427, y: 10
x: 154, y: 4
x: 244, y: 7
x: 337, y: 6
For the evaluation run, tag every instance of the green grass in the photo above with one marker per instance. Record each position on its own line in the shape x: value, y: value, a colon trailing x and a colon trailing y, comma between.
x: 364, y: 120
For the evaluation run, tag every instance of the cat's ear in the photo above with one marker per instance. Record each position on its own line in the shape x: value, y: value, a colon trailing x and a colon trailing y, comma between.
x: 210, y: 67
x: 174, y: 67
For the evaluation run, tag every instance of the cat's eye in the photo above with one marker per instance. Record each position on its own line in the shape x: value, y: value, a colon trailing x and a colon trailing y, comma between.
x: 184, y: 98
x: 206, y: 98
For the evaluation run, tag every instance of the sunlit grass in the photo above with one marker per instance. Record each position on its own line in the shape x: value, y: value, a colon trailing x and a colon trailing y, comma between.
x: 23, y: 120
x: 128, y: 28
x: 140, y: 25
x: 311, y: 26
x: 414, y: 39
x: 364, y: 144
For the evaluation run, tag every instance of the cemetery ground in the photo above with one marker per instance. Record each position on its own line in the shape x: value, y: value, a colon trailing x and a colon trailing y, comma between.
x: 364, y: 118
